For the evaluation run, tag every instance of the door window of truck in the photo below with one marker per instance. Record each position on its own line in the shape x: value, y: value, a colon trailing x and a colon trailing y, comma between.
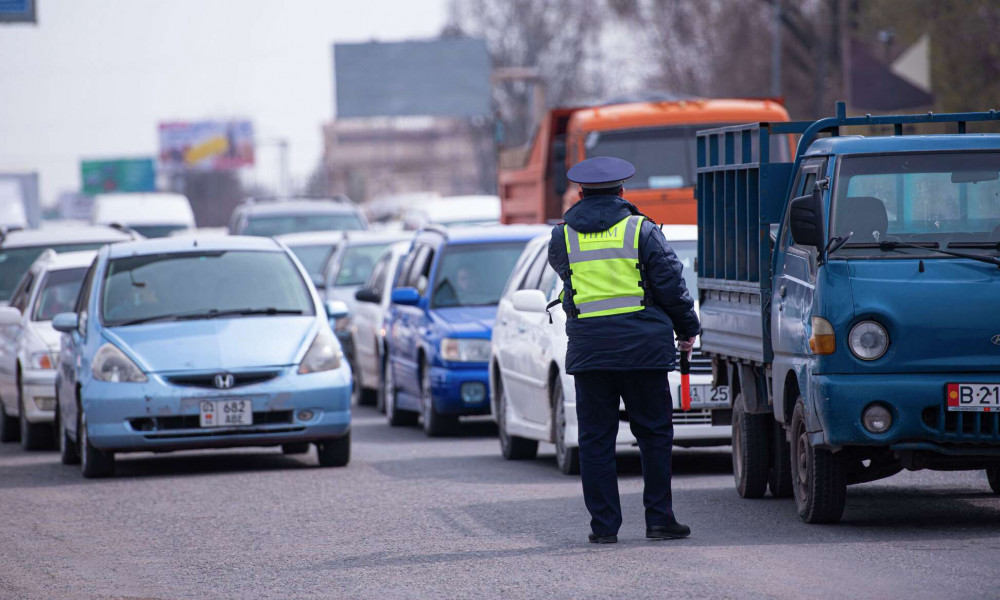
x: 937, y: 199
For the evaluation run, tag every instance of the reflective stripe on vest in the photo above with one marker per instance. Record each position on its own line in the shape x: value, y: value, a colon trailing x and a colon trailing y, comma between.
x: 604, y: 269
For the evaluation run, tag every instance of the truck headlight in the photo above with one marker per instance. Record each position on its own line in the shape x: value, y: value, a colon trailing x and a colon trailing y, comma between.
x: 868, y: 340
x: 111, y: 364
x: 323, y: 355
x: 465, y: 350
x: 44, y: 360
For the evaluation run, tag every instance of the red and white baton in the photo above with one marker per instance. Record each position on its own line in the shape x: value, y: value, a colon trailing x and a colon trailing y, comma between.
x: 685, y: 381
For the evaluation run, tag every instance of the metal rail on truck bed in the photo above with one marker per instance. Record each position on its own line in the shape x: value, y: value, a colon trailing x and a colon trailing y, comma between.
x: 740, y: 194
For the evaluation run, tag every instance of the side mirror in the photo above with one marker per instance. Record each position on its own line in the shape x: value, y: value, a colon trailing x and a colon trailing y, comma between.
x: 532, y: 301
x: 405, y: 295
x: 336, y: 309
x: 9, y: 316
x: 367, y: 295
x: 806, y: 220
x: 66, y: 322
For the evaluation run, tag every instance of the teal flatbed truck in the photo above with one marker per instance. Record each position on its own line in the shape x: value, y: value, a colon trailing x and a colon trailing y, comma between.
x: 850, y: 299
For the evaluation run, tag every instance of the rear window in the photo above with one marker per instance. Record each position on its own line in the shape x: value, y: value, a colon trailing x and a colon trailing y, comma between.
x: 279, y: 225
x: 357, y: 264
x: 313, y: 257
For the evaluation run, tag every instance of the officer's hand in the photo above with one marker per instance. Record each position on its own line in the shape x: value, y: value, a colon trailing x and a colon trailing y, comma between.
x: 687, y: 345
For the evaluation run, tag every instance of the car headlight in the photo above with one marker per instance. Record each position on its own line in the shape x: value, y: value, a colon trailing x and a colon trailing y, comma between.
x: 111, y: 364
x: 323, y: 355
x: 868, y: 340
x: 44, y: 360
x: 465, y: 350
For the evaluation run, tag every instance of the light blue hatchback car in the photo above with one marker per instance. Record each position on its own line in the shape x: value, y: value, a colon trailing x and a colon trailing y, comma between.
x: 199, y: 343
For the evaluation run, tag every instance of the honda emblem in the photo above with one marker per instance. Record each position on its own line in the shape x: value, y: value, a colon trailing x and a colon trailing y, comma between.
x: 224, y: 381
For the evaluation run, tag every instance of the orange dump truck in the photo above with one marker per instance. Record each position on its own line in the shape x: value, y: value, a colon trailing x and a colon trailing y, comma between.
x: 657, y: 137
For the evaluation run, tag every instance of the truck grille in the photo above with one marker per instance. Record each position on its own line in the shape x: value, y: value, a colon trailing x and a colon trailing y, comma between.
x: 700, y: 363
x: 963, y: 426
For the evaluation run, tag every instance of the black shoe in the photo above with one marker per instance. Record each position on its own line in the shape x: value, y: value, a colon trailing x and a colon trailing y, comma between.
x: 602, y: 539
x: 668, y: 532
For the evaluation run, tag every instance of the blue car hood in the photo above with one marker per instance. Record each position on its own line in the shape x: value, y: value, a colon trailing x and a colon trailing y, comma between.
x: 941, y: 320
x: 473, y: 321
x: 215, y: 344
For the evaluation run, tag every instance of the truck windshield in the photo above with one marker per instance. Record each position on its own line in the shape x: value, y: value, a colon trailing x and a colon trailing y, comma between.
x: 937, y: 200
x: 474, y: 274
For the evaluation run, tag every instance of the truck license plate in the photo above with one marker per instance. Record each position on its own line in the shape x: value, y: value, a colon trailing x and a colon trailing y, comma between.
x: 705, y: 396
x: 974, y: 397
x: 226, y: 413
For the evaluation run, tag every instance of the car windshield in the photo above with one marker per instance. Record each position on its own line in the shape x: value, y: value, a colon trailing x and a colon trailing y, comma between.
x: 313, y: 257
x: 664, y: 157
x: 202, y: 285
x: 278, y: 225
x: 687, y: 252
x: 357, y: 263
x: 58, y: 293
x: 938, y: 200
x: 474, y: 274
x: 157, y: 231
x: 14, y: 262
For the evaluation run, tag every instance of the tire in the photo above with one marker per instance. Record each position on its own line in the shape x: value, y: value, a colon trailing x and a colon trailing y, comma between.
x: 380, y: 389
x: 751, y: 460
x: 295, y: 448
x: 567, y: 458
x: 779, y: 478
x: 94, y: 463
x: 993, y: 477
x: 34, y: 436
x: 68, y: 454
x: 511, y: 446
x: 335, y: 452
x: 395, y: 416
x: 10, y: 430
x: 819, y: 478
x: 356, y: 391
x: 435, y: 423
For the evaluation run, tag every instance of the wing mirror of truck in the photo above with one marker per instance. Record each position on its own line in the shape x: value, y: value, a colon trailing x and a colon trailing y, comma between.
x: 806, y: 219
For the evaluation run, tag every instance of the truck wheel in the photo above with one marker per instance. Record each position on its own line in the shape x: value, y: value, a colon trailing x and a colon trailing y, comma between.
x: 993, y: 476
x: 435, y: 423
x: 335, y: 452
x: 751, y: 462
x: 567, y: 458
x: 10, y: 430
x: 779, y: 480
x: 396, y: 417
x: 511, y: 446
x: 93, y: 462
x: 819, y: 478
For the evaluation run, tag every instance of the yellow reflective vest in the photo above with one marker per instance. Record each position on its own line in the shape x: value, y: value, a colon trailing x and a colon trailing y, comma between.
x: 605, y: 272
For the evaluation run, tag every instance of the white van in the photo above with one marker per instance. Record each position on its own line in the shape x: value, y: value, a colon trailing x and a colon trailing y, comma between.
x: 154, y: 214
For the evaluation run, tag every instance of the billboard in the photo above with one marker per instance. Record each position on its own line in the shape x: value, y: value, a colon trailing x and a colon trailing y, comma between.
x: 437, y: 78
x: 17, y: 11
x: 206, y: 145
x: 118, y: 175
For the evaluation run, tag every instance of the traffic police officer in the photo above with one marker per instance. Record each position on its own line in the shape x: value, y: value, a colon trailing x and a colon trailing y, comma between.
x: 624, y: 297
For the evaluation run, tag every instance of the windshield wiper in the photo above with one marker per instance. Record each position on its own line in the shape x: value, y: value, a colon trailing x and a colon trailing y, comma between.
x: 216, y: 313
x: 889, y: 245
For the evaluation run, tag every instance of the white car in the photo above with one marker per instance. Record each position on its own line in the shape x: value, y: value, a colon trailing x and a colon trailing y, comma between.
x: 453, y: 211
x: 152, y: 214
x: 29, y: 346
x: 534, y: 400
x: 367, y: 325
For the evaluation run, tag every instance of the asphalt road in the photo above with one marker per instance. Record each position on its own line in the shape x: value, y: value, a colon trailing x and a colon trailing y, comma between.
x: 413, y: 517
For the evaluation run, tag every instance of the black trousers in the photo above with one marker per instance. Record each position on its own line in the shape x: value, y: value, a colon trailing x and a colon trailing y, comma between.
x: 647, y: 400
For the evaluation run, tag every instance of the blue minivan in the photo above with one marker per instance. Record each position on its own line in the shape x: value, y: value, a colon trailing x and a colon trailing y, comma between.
x: 440, y: 321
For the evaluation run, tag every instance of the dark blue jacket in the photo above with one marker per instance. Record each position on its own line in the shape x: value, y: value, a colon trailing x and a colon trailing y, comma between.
x: 636, y: 340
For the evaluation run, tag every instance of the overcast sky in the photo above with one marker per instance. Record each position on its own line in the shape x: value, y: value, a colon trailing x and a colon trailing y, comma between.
x: 94, y: 77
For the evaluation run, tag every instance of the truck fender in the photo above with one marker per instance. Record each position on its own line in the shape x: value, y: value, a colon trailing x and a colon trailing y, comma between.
x: 753, y: 386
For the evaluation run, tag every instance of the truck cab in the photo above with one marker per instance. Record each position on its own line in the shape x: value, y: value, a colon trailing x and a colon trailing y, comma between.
x: 848, y: 300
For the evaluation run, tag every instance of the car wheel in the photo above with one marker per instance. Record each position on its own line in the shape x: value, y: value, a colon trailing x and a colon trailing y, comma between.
x: 67, y: 447
x: 993, y: 477
x: 435, y: 423
x: 356, y: 392
x: 380, y: 390
x: 511, y: 446
x: 396, y: 417
x: 296, y: 448
x: 818, y: 476
x: 567, y: 458
x: 10, y: 430
x: 779, y: 478
x: 335, y: 452
x: 751, y: 462
x: 34, y: 436
x: 93, y: 462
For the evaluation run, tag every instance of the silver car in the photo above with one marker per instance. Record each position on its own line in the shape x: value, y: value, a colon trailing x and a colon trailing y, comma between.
x: 29, y: 346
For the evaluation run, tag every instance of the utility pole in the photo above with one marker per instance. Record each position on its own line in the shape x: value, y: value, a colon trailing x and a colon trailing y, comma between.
x: 776, y: 48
